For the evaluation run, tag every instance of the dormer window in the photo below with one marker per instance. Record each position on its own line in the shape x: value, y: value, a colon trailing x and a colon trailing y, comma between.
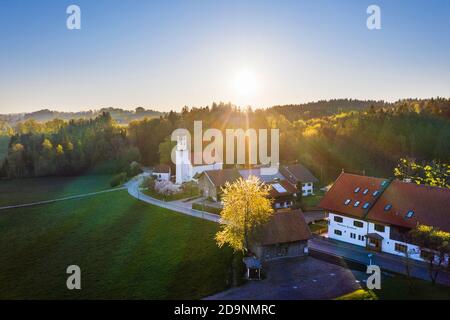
x: 357, y: 189
x: 356, y: 204
x: 366, y: 191
x: 376, y: 193
x: 366, y: 205
x: 347, y: 201
x: 388, y: 207
x: 409, y: 214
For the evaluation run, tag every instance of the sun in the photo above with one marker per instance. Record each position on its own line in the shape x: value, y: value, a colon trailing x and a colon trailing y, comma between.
x: 245, y: 85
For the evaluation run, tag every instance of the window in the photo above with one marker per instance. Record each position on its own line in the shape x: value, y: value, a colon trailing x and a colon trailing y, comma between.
x: 376, y: 193
x: 352, y: 235
x: 379, y: 228
x: 361, y: 238
x: 338, y: 219
x: 358, y: 224
x: 400, y: 248
x: 356, y: 204
x: 366, y: 191
x: 384, y: 183
x: 357, y: 189
x: 425, y: 254
x: 409, y: 214
x: 388, y: 207
x: 347, y: 201
x: 366, y: 205
x: 338, y: 232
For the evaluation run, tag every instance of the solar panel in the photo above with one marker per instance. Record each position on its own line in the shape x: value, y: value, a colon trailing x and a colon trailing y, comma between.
x: 279, y: 188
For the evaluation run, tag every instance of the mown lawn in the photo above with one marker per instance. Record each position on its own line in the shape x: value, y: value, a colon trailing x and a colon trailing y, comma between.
x: 20, y: 191
x: 126, y: 249
x: 397, y: 287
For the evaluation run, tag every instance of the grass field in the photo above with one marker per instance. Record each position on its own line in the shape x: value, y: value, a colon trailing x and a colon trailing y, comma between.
x: 397, y: 287
x: 125, y: 249
x: 20, y: 191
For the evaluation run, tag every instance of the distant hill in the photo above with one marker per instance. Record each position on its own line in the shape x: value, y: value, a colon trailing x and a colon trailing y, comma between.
x: 119, y: 115
x: 325, y: 108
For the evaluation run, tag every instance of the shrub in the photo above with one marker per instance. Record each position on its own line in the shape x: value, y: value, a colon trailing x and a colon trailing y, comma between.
x: 118, y: 179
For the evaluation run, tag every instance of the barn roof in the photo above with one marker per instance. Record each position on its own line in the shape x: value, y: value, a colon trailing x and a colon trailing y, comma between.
x: 284, y: 227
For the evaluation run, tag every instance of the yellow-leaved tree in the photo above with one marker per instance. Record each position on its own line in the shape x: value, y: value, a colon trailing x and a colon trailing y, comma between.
x: 245, y: 206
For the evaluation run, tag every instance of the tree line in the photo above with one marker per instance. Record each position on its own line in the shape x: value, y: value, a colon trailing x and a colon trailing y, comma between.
x: 367, y: 138
x: 59, y: 148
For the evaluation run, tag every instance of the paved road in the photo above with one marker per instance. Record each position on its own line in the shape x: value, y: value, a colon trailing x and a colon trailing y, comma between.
x: 384, y: 260
x: 60, y: 199
x: 297, y: 279
x: 133, y: 190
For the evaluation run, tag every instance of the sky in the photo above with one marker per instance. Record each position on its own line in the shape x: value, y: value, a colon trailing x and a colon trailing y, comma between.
x: 167, y: 54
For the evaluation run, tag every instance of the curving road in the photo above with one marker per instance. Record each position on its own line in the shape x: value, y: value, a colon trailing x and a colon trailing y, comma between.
x: 133, y: 190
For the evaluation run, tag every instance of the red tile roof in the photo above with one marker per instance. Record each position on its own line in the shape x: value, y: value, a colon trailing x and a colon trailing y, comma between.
x: 344, y: 189
x: 430, y: 206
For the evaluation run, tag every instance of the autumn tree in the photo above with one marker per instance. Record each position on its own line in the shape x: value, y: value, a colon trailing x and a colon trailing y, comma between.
x: 245, y: 206
x: 436, y: 243
x: 435, y: 174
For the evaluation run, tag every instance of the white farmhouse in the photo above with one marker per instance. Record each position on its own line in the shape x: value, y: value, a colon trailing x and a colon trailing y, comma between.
x: 378, y: 213
x: 162, y: 172
x: 298, y: 173
x: 185, y: 169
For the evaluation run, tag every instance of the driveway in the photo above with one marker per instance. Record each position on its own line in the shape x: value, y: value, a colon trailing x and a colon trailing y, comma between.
x: 297, y: 279
x: 134, y: 190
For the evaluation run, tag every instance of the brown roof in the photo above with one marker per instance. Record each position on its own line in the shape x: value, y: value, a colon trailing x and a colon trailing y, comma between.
x: 220, y: 177
x: 430, y: 206
x: 162, y: 168
x: 284, y: 227
x: 288, y: 187
x: 297, y: 173
x: 344, y: 189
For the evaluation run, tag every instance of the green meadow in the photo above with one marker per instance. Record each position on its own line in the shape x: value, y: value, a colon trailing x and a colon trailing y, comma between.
x: 126, y: 249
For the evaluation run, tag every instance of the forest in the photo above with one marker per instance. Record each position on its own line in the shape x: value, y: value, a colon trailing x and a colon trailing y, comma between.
x: 365, y: 137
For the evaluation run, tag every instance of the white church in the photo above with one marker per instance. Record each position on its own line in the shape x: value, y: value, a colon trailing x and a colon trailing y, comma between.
x: 186, y: 170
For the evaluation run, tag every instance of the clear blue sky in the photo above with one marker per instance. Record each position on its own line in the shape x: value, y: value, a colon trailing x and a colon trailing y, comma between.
x: 167, y: 54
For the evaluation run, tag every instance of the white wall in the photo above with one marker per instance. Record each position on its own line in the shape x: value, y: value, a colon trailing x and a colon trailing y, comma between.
x: 161, y: 176
x: 308, y: 188
x: 347, y: 228
x: 387, y: 245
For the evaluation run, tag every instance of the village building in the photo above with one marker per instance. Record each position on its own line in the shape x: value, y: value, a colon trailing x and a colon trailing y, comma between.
x: 211, y: 182
x: 162, y: 172
x: 285, y: 235
x: 378, y: 213
x: 299, y: 174
x: 186, y: 169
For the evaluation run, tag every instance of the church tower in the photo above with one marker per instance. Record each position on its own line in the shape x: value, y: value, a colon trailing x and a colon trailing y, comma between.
x: 183, y: 162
